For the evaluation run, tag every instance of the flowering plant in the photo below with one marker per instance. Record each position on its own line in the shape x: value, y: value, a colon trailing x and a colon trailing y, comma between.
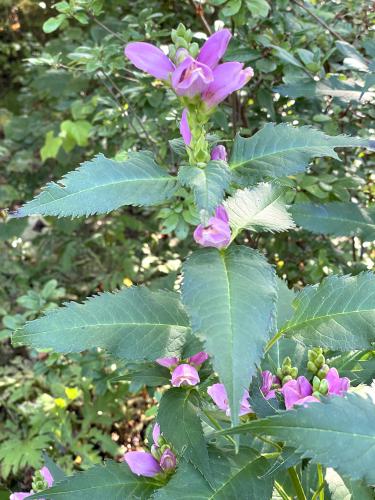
x: 253, y: 375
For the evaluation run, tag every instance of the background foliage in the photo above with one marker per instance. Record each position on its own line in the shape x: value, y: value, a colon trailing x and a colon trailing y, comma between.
x: 68, y: 94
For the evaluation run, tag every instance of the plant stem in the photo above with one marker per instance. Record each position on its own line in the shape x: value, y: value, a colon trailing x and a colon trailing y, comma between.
x: 320, y: 490
x: 273, y: 341
x: 297, y: 484
x: 281, y: 491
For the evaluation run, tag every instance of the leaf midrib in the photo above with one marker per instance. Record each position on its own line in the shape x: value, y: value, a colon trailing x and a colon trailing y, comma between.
x: 318, y: 318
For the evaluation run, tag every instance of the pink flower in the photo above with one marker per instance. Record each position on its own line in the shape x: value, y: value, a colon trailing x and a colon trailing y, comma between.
x: 191, y: 78
x: 167, y: 362
x: 268, y: 380
x: 198, y: 359
x: 337, y: 385
x: 185, y: 375
x: 219, y: 153
x: 47, y: 476
x: 214, y: 48
x: 156, y: 434
x: 219, y: 395
x: 142, y: 463
x: 298, y: 392
x: 216, y: 233
x: 150, y: 59
x: 168, y: 460
x: 184, y: 128
x: 20, y: 496
x: 227, y: 78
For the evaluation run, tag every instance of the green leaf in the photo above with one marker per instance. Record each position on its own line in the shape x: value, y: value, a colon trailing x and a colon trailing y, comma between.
x: 258, y: 7
x: 280, y: 150
x: 345, y: 489
x: 337, y: 433
x: 56, y: 472
x: 179, y: 405
x: 208, y: 184
x: 230, y: 296
x: 51, y: 146
x: 133, y: 323
x: 53, y: 23
x: 78, y: 130
x: 339, y: 219
x: 236, y: 476
x: 338, y: 314
x: 111, y: 480
x: 231, y: 8
x: 102, y: 185
x: 258, y: 209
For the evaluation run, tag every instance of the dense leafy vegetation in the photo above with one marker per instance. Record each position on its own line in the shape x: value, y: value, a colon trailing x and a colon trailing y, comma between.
x: 298, y: 189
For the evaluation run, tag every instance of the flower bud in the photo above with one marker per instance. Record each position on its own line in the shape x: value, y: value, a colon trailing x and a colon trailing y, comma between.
x: 323, y: 388
x: 316, y: 394
x: 168, y: 460
x: 320, y: 360
x: 181, y: 30
x: 316, y: 383
x: 294, y: 372
x: 194, y: 49
x: 311, y: 355
x: 287, y: 361
x: 323, y: 371
x: 286, y: 379
x: 311, y: 366
x: 155, y: 452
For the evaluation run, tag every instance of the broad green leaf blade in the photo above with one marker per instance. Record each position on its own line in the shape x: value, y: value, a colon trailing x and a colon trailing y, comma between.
x: 235, y: 476
x: 180, y: 424
x: 338, y: 314
x: 208, y: 184
x: 345, y: 489
x: 133, y: 323
x: 258, y: 209
x: 230, y: 296
x: 339, y: 219
x: 109, y: 481
x: 280, y: 150
x: 338, y: 433
x: 101, y: 185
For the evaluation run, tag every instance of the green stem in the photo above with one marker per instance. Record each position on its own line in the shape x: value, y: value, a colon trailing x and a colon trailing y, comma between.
x: 273, y: 341
x: 320, y: 490
x: 297, y: 484
x: 216, y: 424
x: 281, y: 491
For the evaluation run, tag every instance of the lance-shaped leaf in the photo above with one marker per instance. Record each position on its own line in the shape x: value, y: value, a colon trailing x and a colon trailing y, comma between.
x: 337, y: 314
x: 230, y: 297
x: 338, y: 433
x: 258, y: 209
x: 208, y: 184
x: 280, y: 150
x: 101, y: 185
x: 133, y: 323
x: 181, y: 426
x: 234, y: 475
x: 339, y: 219
x: 111, y: 480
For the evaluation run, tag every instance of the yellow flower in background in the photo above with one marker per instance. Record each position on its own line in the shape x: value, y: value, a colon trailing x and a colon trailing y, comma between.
x: 72, y: 392
x: 60, y: 403
x: 127, y: 282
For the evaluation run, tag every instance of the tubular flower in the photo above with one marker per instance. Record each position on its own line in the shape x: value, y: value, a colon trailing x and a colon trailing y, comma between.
x: 219, y: 395
x: 168, y: 460
x: 185, y: 375
x: 219, y: 153
x: 184, y: 128
x: 191, y: 78
x: 228, y: 78
x: 336, y: 385
x: 269, y: 380
x: 214, y: 48
x: 156, y: 434
x: 142, y: 463
x: 167, y: 362
x: 298, y: 392
x: 150, y: 59
x: 217, y: 233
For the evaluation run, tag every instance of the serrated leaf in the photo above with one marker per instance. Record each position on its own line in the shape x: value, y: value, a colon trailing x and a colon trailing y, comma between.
x: 339, y: 219
x: 230, y: 296
x: 280, y: 150
x: 208, y: 184
x: 258, y: 209
x: 236, y: 476
x: 338, y: 314
x: 111, y: 480
x: 133, y: 323
x: 178, y: 405
x: 338, y: 433
x: 101, y: 185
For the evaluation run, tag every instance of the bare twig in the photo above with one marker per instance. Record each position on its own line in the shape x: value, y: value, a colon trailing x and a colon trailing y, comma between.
x: 318, y: 19
x: 200, y: 13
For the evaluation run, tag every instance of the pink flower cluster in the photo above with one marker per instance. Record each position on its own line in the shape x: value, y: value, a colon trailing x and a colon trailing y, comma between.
x: 143, y: 463
x: 296, y: 392
x: 184, y: 373
x: 190, y: 77
x: 47, y: 476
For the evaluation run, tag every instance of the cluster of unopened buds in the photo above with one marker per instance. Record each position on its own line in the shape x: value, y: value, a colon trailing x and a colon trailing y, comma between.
x: 41, y: 481
x: 161, y: 460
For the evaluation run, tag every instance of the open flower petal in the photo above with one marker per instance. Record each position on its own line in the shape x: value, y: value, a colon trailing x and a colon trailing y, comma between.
x: 142, y: 463
x: 150, y: 59
x: 214, y: 48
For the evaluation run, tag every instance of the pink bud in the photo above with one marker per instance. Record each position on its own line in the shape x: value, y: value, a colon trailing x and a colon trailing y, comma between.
x: 156, y: 434
x: 198, y: 359
x: 168, y: 362
x: 219, y: 153
x: 168, y: 460
x: 185, y: 375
